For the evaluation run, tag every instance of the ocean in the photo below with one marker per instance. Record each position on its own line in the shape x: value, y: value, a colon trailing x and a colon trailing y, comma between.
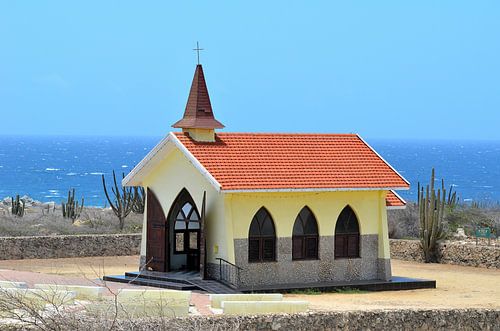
x: 46, y: 167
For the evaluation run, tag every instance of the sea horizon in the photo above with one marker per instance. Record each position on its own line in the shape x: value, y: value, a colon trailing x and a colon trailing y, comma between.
x: 45, y: 167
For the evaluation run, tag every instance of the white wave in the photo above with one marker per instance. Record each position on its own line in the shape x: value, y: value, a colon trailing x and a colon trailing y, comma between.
x: 71, y: 174
x: 52, y: 169
x: 53, y: 191
x: 97, y: 173
x: 124, y: 166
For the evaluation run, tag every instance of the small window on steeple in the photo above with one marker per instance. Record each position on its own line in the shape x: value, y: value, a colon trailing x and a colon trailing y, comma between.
x: 203, y: 110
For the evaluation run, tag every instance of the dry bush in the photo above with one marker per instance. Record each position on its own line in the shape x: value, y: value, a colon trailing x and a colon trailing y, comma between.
x: 38, y: 221
x: 49, y: 312
x: 404, y: 223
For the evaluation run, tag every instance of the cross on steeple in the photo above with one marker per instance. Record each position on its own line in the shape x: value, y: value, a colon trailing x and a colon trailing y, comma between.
x: 198, y: 49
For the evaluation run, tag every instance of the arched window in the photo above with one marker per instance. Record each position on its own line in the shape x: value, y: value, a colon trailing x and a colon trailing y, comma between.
x: 347, y: 234
x: 305, y: 236
x: 262, y: 238
x: 186, y: 226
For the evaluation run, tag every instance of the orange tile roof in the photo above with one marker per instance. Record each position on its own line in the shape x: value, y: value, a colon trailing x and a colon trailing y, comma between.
x: 393, y: 200
x: 267, y: 161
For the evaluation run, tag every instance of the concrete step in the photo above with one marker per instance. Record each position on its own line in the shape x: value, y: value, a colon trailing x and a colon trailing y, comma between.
x: 217, y: 299
x: 173, y: 278
x: 151, y: 282
x: 213, y: 286
x: 175, y: 281
x: 263, y: 307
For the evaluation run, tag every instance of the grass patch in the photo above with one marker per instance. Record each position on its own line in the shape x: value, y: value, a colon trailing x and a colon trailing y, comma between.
x: 312, y: 291
x: 348, y: 290
x: 309, y: 291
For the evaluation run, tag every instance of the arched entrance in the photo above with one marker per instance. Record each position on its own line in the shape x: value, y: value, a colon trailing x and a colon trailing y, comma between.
x: 184, y: 224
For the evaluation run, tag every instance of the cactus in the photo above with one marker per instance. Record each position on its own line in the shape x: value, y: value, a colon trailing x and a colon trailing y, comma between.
x: 122, y: 203
x: 452, y: 200
x: 138, y: 200
x: 17, y: 206
x: 431, y: 206
x: 71, y: 209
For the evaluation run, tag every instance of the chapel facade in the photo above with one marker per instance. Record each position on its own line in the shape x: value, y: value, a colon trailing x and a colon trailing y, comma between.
x: 264, y: 209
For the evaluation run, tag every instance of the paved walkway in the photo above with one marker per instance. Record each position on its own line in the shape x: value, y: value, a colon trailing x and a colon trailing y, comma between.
x: 199, y: 300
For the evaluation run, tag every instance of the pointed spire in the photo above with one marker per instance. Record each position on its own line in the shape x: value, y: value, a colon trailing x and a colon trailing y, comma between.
x: 198, y: 113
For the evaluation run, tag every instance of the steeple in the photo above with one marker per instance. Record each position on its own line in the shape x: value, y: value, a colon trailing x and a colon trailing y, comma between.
x: 199, y: 120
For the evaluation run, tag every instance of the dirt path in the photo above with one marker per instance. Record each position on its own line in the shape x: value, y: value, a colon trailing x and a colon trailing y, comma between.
x: 89, y: 267
x: 457, y: 286
x: 82, y: 271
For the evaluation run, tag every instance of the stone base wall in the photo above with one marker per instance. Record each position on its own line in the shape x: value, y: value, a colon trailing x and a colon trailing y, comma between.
x: 213, y: 271
x: 398, y: 319
x: 142, y: 263
x: 48, y: 247
x: 449, y: 252
x: 285, y: 270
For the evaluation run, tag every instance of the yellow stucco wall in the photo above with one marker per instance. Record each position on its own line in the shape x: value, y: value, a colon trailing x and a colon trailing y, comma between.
x: 229, y: 215
x: 369, y: 207
x: 173, y: 174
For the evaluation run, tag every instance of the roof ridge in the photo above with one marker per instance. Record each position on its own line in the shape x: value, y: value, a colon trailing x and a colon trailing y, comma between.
x: 281, y: 133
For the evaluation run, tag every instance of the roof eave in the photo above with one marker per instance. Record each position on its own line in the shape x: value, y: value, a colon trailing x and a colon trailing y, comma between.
x: 149, y: 162
x: 137, y: 174
x: 396, y: 207
x: 387, y: 163
x: 327, y: 189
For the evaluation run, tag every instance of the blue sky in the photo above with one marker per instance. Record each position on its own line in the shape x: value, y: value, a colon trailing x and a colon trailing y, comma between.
x: 384, y: 69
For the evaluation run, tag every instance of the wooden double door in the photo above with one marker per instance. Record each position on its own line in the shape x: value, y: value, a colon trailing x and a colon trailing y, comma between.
x: 176, y: 242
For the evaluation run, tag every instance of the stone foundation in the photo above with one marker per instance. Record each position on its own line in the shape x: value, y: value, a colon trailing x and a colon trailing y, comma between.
x: 285, y: 270
x: 213, y: 270
x: 142, y: 263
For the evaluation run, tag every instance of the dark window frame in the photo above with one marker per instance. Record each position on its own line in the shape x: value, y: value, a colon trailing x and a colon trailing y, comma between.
x: 263, y: 254
x: 186, y: 231
x: 303, y: 238
x: 349, y: 236
x: 186, y: 249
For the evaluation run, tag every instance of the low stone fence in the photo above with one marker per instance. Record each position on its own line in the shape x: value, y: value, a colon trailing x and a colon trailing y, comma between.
x: 47, y: 247
x: 449, y: 252
x: 403, y: 319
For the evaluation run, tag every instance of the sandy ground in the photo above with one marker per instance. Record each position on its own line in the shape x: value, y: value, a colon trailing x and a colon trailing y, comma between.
x: 457, y: 286
x: 88, y: 267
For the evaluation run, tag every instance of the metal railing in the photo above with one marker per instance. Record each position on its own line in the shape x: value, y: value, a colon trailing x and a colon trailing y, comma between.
x: 229, y: 273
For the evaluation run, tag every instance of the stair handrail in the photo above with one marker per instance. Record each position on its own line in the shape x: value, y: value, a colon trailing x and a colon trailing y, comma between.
x: 226, y: 274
